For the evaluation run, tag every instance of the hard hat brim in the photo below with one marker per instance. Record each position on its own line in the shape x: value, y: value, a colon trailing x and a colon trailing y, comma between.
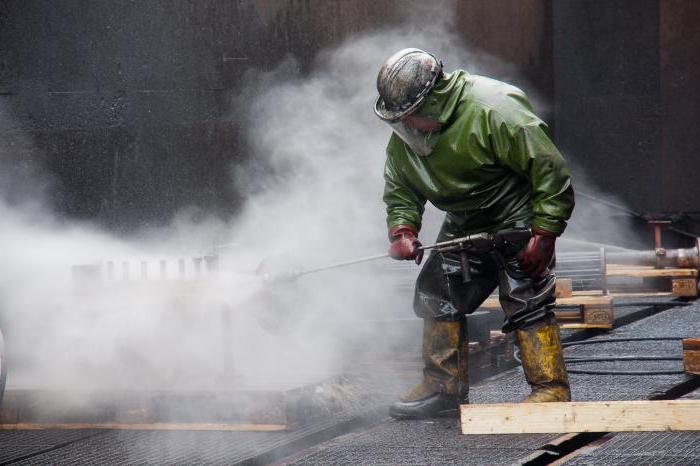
x: 393, y: 115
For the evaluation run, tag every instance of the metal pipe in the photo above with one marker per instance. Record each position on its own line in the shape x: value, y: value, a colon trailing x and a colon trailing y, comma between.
x: 686, y: 258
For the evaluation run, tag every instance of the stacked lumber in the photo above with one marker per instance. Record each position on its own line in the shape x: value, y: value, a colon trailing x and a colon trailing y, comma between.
x: 671, y: 281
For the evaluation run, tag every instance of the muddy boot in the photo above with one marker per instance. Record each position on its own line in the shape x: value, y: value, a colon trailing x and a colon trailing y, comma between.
x: 543, y: 363
x: 445, y: 384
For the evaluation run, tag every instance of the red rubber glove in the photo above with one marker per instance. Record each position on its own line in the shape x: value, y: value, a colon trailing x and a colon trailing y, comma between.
x: 537, y: 255
x: 405, y: 244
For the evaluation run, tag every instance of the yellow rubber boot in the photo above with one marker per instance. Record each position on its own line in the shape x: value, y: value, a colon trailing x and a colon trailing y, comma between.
x: 445, y: 380
x: 543, y: 363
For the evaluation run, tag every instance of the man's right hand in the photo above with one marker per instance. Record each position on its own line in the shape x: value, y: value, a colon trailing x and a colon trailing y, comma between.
x: 405, y: 244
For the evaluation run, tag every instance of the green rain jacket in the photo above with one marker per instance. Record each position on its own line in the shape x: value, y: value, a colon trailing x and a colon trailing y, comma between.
x: 493, y: 167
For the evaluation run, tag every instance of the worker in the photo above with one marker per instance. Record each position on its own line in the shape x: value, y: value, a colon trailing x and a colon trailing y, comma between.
x: 475, y: 149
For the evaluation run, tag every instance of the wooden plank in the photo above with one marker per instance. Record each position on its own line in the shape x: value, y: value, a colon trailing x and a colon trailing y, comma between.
x: 581, y: 325
x: 564, y: 288
x: 491, y: 303
x: 145, y: 426
x: 581, y: 416
x: 585, y: 300
x: 595, y: 311
x: 642, y: 294
x: 569, y: 315
x: 617, y: 271
x: 588, y: 293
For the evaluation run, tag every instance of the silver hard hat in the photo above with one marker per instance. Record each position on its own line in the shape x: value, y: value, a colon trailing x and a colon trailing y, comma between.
x: 403, y: 81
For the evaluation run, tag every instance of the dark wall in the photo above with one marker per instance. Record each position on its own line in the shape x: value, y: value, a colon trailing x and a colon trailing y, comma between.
x: 627, y: 101
x: 607, y: 95
x: 128, y: 102
x: 680, y: 97
x: 516, y: 31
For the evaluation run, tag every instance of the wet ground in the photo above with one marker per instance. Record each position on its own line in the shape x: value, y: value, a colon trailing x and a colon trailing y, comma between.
x: 364, y: 434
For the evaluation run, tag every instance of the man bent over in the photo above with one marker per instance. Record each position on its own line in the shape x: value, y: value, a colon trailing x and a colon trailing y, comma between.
x: 474, y: 148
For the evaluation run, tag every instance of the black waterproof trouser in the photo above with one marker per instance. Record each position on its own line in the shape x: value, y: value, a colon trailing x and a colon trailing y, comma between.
x: 442, y: 293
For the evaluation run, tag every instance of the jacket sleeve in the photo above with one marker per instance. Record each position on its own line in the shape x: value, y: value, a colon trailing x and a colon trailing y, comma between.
x: 527, y: 149
x: 404, y: 205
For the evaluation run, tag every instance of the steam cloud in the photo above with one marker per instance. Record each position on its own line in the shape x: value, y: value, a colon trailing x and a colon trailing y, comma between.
x: 315, y: 185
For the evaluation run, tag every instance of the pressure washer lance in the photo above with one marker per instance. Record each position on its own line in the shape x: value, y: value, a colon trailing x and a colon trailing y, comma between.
x: 482, y: 242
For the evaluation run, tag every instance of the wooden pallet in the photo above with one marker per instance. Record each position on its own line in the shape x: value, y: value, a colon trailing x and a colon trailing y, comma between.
x: 594, y: 311
x: 691, y: 355
x: 678, y: 282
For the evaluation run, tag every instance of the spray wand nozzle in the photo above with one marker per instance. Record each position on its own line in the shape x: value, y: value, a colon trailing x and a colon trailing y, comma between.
x: 477, y: 241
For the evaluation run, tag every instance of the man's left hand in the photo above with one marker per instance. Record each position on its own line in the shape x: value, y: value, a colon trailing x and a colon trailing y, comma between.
x: 536, y: 257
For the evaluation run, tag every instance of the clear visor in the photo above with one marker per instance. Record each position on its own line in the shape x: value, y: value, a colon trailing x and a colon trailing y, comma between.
x: 421, y: 142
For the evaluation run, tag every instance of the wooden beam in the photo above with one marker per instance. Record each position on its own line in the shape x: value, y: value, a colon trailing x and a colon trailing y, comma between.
x: 585, y: 300
x: 581, y: 416
x: 623, y: 271
x: 594, y: 311
x: 575, y: 325
x: 642, y: 294
x: 144, y: 426
x: 564, y: 288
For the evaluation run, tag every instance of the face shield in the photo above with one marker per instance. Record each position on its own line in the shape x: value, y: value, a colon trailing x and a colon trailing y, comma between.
x: 422, y: 142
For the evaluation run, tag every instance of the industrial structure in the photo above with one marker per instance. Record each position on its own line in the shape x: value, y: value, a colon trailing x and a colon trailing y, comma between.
x: 190, y: 206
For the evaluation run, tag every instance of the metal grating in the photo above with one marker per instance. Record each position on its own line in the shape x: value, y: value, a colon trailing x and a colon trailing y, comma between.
x: 436, y: 442
x: 658, y: 448
x: 185, y: 447
x: 423, y: 455
x: 418, y: 443
x: 17, y: 444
